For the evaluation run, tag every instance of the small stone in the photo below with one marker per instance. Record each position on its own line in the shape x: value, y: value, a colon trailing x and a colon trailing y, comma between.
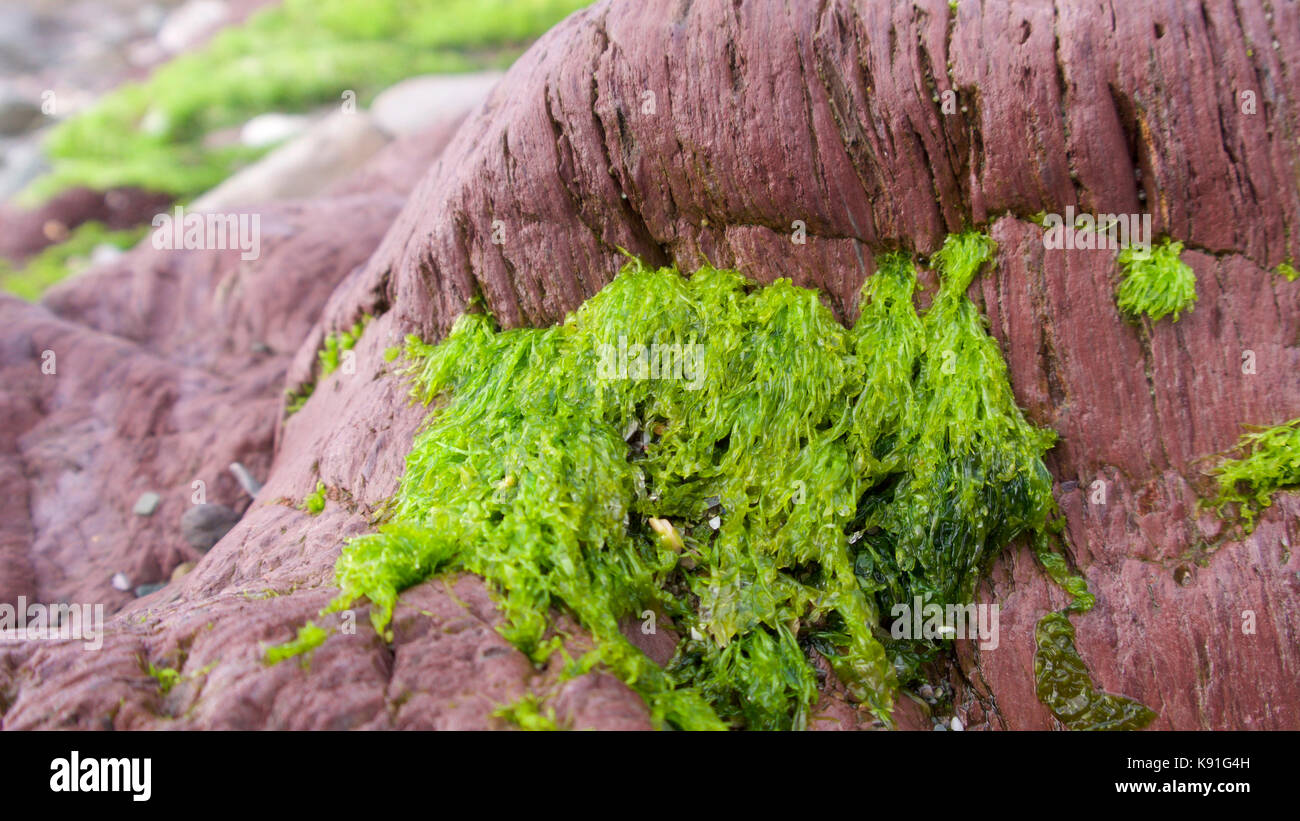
x: 271, y: 128
x: 925, y: 691
x: 327, y: 151
x: 145, y: 589
x: 204, y: 525
x: 22, y: 163
x: 121, y: 582
x: 55, y: 231
x: 190, y: 23
x: 104, y: 253
x: 182, y: 570
x: 715, y: 522
x: 420, y: 103
x: 18, y: 115
x: 146, y: 504
x: 250, y: 485
x: 957, y: 726
x: 940, y: 728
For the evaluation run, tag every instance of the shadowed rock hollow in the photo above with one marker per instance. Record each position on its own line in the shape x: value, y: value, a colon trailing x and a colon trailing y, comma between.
x: 685, y: 132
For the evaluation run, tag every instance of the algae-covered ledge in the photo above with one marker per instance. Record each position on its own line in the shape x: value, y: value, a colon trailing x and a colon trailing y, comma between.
x: 760, y: 479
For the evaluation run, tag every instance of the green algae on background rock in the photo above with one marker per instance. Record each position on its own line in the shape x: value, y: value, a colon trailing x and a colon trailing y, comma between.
x: 329, y: 357
x: 1061, y: 679
x: 1156, y: 281
x: 1065, y: 687
x: 1269, y: 462
x: 337, y: 343
x: 812, y: 475
x: 167, y: 677
x: 55, y: 263
x: 314, y: 502
x: 156, y: 133
x: 528, y: 713
x: 309, y: 637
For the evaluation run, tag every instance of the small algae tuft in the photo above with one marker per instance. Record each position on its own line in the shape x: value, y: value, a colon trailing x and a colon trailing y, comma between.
x: 1061, y: 679
x: 310, y: 636
x: 528, y: 713
x: 1287, y: 270
x: 314, y: 502
x: 57, y: 262
x: 167, y: 677
x: 330, y: 356
x: 1156, y: 281
x: 1269, y: 461
x: 295, y: 399
x: 1065, y: 688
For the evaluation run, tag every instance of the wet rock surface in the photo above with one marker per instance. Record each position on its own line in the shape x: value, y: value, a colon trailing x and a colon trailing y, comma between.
x: 758, y: 115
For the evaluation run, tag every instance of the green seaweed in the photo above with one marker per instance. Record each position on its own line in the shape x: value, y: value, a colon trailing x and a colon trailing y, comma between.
x: 336, y: 343
x: 314, y: 502
x: 528, y: 713
x: 1064, y: 686
x: 1287, y: 270
x: 167, y: 677
x: 1061, y: 679
x: 309, y: 637
x: 1156, y: 281
x: 328, y: 359
x: 770, y: 495
x: 1269, y: 461
x: 295, y: 399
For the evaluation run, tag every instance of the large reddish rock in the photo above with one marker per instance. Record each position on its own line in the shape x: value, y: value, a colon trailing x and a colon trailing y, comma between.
x: 686, y: 132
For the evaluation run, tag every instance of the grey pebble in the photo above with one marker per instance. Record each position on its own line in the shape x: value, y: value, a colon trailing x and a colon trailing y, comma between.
x: 146, y: 504
x: 204, y: 525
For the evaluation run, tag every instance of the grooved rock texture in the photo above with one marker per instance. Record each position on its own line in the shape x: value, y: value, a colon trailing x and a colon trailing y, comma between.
x: 684, y: 132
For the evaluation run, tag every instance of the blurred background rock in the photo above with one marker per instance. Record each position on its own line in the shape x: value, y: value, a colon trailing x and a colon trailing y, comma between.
x: 112, y: 110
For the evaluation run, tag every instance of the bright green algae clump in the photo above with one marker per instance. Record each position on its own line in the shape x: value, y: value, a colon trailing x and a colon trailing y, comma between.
x: 314, y: 502
x: 310, y: 636
x: 1270, y: 461
x: 1156, y: 281
x: 796, y: 481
